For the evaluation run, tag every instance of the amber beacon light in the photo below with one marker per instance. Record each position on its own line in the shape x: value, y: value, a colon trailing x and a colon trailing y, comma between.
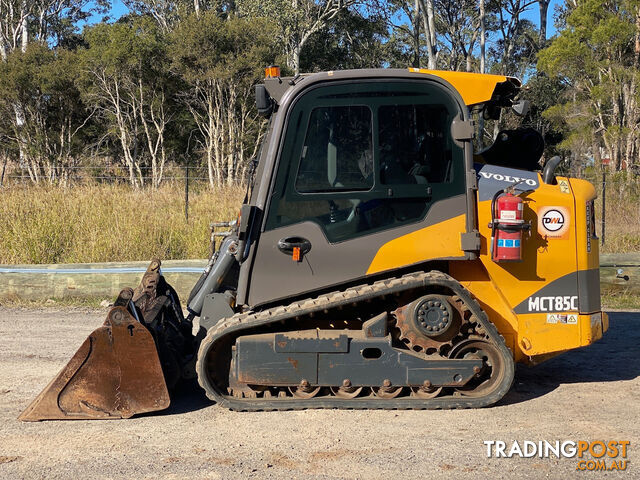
x: 272, y: 71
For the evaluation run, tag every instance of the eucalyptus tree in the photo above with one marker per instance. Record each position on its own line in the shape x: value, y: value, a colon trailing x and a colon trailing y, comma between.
x: 296, y: 20
x: 43, y: 22
x: 51, y: 135
x: 597, y: 55
x: 352, y: 40
x: 127, y: 80
x: 220, y: 60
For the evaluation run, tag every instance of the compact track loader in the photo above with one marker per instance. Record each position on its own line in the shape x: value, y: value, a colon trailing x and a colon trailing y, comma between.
x: 377, y: 262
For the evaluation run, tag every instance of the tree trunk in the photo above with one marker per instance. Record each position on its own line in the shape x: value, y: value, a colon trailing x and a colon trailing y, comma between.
x: 428, y: 24
x: 5, y: 158
x: 544, y: 7
x: 416, y: 33
x: 483, y: 39
x: 293, y: 58
x: 432, y: 34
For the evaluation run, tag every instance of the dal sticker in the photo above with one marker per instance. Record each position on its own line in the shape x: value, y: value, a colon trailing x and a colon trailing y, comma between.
x: 564, y: 186
x: 553, y: 222
x: 567, y: 318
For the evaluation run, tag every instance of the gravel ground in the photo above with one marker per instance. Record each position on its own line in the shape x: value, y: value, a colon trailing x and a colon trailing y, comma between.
x: 589, y: 394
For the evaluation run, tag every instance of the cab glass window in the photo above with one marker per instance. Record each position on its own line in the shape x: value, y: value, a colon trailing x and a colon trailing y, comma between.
x: 338, y: 153
x: 363, y: 157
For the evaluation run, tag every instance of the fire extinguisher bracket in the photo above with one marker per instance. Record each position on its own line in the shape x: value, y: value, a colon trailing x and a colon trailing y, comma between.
x: 511, y: 226
x: 507, y: 225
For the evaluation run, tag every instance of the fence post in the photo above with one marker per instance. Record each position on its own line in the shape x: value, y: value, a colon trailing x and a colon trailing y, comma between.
x: 4, y: 167
x: 186, y: 193
x: 604, y: 192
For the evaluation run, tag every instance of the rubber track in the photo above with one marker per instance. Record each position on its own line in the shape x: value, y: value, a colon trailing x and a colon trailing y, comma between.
x: 246, y: 321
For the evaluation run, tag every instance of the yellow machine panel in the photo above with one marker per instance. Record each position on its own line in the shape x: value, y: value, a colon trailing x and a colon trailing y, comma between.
x: 543, y: 304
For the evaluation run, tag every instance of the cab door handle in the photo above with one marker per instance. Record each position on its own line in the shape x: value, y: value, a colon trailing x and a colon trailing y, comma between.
x: 289, y: 245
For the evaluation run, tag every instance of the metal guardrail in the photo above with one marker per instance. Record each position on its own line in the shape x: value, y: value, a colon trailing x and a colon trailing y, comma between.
x: 85, y: 280
x: 115, y: 270
x: 618, y: 272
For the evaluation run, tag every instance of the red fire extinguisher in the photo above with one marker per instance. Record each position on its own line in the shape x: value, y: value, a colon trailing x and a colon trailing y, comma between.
x: 507, y: 226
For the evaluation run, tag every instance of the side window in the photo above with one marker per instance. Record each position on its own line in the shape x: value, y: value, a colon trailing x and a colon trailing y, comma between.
x: 338, y: 153
x: 420, y: 151
x: 361, y: 158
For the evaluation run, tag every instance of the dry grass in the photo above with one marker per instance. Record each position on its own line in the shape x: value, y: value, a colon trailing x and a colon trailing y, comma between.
x: 622, y: 230
x: 617, y: 300
x: 102, y: 223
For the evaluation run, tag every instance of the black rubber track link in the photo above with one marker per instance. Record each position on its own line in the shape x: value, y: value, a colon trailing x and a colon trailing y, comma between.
x: 242, y: 323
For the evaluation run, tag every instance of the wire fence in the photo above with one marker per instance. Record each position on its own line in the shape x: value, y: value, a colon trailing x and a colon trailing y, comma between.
x: 188, y: 177
x: 193, y: 178
x: 83, y: 174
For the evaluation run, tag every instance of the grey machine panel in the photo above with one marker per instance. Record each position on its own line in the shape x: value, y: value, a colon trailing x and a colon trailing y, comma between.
x: 584, y: 284
x: 492, y: 178
x: 276, y: 276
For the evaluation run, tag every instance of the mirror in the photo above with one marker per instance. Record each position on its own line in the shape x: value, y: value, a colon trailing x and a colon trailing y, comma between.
x: 263, y: 101
x: 521, y: 107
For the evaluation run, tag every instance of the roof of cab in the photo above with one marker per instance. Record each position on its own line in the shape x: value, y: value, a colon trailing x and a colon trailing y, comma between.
x: 473, y: 87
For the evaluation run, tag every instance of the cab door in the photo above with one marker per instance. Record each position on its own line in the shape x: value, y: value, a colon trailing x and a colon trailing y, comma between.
x: 368, y: 179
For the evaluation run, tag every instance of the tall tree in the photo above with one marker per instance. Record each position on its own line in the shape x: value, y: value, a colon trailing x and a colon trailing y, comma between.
x: 297, y: 20
x: 511, y: 28
x: 428, y: 22
x: 42, y: 83
x: 544, y: 11
x: 460, y: 28
x: 220, y: 62
x: 126, y: 78
x: 597, y: 56
x: 353, y: 40
x: 42, y: 22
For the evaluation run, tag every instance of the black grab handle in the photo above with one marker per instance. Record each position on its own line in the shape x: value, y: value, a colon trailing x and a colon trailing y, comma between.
x: 549, y: 170
x: 286, y: 245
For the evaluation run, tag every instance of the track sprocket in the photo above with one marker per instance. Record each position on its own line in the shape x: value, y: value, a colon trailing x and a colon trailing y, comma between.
x: 431, y: 323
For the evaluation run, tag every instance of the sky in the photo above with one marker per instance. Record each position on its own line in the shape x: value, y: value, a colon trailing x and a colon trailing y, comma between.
x: 533, y: 14
x: 118, y: 9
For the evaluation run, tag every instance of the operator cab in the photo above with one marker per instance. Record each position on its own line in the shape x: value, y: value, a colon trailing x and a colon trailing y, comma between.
x: 353, y: 161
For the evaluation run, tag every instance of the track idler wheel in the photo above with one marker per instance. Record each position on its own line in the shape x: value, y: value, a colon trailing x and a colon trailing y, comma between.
x: 491, y: 373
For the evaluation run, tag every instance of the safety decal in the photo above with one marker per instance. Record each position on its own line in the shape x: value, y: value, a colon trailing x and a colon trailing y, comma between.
x: 506, y: 243
x: 567, y: 318
x: 564, y: 186
x: 553, y: 222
